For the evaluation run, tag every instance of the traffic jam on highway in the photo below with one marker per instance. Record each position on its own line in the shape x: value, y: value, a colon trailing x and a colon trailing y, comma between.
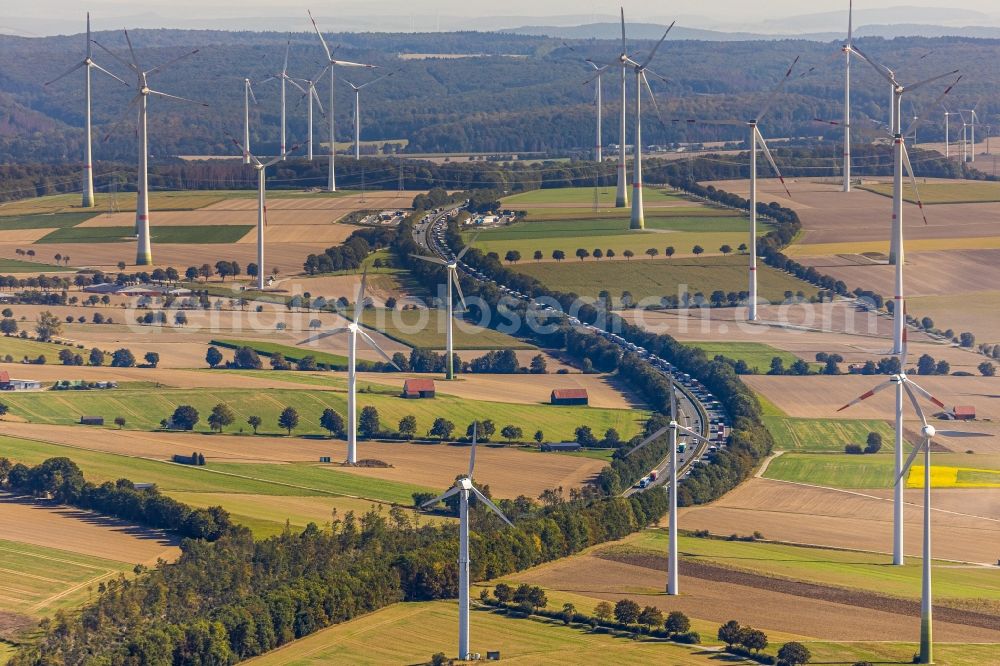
x: 717, y: 427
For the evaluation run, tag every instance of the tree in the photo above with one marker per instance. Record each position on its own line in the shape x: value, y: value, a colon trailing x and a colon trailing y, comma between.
x: 651, y: 616
x: 511, y: 432
x: 47, y: 326
x: 220, y: 417
x: 223, y: 268
x: 122, y: 358
x: 627, y: 611
x: 483, y: 429
x: 120, y: 422
x: 585, y: 436
x: 652, y: 252
x: 307, y: 363
x: 926, y: 365
x: 66, y: 357
x: 628, y: 254
x: 609, y: 253
x: 611, y: 438
x: 677, y: 623
x: 503, y: 592
x: 697, y: 249
x: 794, y: 654
x: 943, y: 367
x: 152, y: 359
x: 725, y: 250
x: 987, y: 369
x: 537, y: 256
x: 279, y: 362
x: 777, y: 366
x: 926, y: 323
x: 288, y: 419
x: 512, y: 256
x: 191, y: 274
x: 185, y: 417
x: 669, y: 251
x: 3, y: 409
x: 582, y: 253
x: 332, y: 422
x: 729, y: 633
x: 598, y: 253
x: 568, y: 612
x: 539, y: 436
x: 558, y: 255
x: 247, y: 359
x: 442, y: 428
x: 368, y: 423
x: 604, y: 611
x: 753, y: 639
x: 742, y: 248
x: 538, y: 366
x: 180, y: 318
x: 967, y: 340
x: 121, y: 265
x: 213, y: 357
x: 96, y: 357
x: 254, y: 422
x: 874, y: 443
x: 205, y: 271
x: 408, y: 426
x: 8, y: 326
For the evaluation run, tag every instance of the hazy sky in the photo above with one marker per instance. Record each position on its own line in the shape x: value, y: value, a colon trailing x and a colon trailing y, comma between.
x: 52, y: 16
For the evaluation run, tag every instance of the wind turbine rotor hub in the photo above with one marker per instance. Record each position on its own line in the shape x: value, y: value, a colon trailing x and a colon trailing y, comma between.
x: 928, y: 431
x: 465, y: 482
x: 352, y: 327
x: 144, y: 90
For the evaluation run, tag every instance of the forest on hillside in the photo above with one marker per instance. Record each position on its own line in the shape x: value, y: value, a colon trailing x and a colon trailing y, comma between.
x: 511, y: 93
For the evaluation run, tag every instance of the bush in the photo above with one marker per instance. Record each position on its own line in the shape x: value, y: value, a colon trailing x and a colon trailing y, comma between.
x: 853, y: 449
x: 794, y: 654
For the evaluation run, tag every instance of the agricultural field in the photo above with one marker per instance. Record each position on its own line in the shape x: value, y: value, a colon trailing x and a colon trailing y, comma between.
x: 825, y: 435
x: 840, y: 470
x: 943, y: 192
x: 427, y: 329
x: 757, y: 355
x: 21, y: 348
x: 8, y: 266
x: 42, y: 221
x: 654, y: 278
x: 583, y: 196
x: 558, y: 422
x: 218, y: 233
x: 291, y: 353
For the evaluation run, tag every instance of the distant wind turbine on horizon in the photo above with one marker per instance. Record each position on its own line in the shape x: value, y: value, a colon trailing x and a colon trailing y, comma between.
x: 357, y: 110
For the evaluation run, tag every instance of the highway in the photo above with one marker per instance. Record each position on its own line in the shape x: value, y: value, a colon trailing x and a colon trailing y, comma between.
x: 691, y: 394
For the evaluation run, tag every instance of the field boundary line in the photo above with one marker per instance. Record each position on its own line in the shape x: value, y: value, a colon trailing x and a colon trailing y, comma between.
x: 52, y: 559
x: 767, y: 462
x: 71, y: 590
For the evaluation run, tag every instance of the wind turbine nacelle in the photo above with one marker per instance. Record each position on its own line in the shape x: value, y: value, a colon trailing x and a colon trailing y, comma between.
x: 465, y: 483
x: 928, y: 431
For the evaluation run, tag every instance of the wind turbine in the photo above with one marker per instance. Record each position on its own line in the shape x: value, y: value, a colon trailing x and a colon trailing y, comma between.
x: 463, y: 487
x: 900, y: 160
x: 88, y: 171
x: 971, y: 124
x: 673, y: 428
x: 621, y: 194
x: 354, y: 330
x: 847, y: 49
x: 247, y: 96
x: 451, y: 268
x: 144, y: 252
x: 947, y: 128
x: 331, y: 183
x: 283, y: 77
x: 310, y: 92
x: 598, y: 147
x: 357, y: 111
x: 261, y: 168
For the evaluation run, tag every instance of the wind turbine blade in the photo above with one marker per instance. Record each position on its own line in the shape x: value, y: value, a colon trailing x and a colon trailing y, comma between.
x: 913, y: 180
x: 116, y: 57
x: 883, y: 71
x: 624, y: 49
x: 433, y: 260
x: 89, y: 53
x: 296, y: 84
x: 920, y: 84
x: 274, y: 161
x: 777, y: 90
x: 905, y: 469
x: 925, y: 112
x: 250, y: 90
x: 324, y: 334
x: 921, y: 391
x: 652, y: 53
x: 865, y: 396
x: 850, y: 22
x: 770, y: 159
x: 729, y: 123
x: 461, y: 296
x: 915, y: 403
x: 101, y: 69
x: 597, y: 74
x: 472, y: 452
x: 359, y: 304
x: 374, y: 345
x: 440, y: 498
x: 284, y: 68
x: 326, y: 49
x: 376, y: 80
x: 135, y: 61
x: 656, y: 435
x: 652, y: 98
x: 125, y: 114
x: 493, y: 507
x: 347, y: 63
x: 691, y: 433
x: 601, y: 63
x: 67, y: 73
x: 673, y: 399
x: 171, y: 62
x: 243, y: 150
x: 182, y: 99
x: 315, y: 96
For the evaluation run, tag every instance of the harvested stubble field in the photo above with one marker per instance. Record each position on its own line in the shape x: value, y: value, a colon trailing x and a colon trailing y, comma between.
x: 107, y: 455
x: 965, y: 527
x: 654, y: 278
x: 942, y: 191
x: 427, y: 329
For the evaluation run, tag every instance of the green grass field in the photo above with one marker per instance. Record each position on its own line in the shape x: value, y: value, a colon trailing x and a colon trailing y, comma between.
x: 969, y: 191
x: 581, y: 195
x: 800, y: 434
x: 754, y: 354
x: 20, y: 348
x: 38, y: 581
x: 427, y: 329
x: 44, y: 221
x: 655, y: 278
x: 839, y: 568
x: 863, y: 471
x: 143, y: 410
x: 209, y: 233
x: 18, y: 266
x: 291, y: 353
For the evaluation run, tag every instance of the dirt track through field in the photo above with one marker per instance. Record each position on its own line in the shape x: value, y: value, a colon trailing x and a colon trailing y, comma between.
x: 849, y: 597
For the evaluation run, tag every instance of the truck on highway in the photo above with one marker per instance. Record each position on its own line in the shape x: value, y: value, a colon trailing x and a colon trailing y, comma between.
x: 682, y: 447
x: 653, y: 475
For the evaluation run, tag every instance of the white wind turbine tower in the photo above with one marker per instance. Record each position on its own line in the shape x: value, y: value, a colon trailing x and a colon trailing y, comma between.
x: 353, y: 329
x: 331, y: 183
x: 88, y: 170
x: 947, y: 128
x: 847, y: 49
x: 247, y: 96
x: 970, y: 156
x: 357, y: 111
x: 598, y: 144
x: 144, y: 252
x: 463, y: 487
x: 310, y: 92
x: 900, y: 160
x: 674, y: 429
x: 621, y: 194
x: 756, y: 142
x: 261, y: 168
x: 283, y: 77
x: 451, y: 267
